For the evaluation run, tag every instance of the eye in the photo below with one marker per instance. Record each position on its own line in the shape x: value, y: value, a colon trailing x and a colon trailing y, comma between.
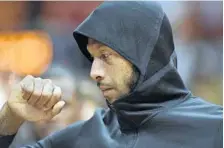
x: 105, y: 56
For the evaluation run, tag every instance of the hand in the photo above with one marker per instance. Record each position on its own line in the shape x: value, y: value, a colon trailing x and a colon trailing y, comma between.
x: 35, y: 99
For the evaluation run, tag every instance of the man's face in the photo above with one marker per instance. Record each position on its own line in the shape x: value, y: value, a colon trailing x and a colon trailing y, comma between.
x: 114, y: 75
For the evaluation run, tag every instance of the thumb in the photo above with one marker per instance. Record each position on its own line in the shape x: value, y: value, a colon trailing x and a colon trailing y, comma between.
x: 57, y: 108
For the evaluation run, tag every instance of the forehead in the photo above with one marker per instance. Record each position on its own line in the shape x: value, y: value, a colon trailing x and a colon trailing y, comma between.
x: 94, y: 46
x: 92, y: 41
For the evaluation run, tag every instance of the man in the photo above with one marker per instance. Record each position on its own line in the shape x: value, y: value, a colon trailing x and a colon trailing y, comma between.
x: 131, y: 48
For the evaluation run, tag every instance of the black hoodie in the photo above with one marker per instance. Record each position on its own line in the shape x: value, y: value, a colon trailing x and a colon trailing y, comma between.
x: 160, y: 112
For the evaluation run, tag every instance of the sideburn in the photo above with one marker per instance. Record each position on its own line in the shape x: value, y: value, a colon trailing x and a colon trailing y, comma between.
x: 134, y: 78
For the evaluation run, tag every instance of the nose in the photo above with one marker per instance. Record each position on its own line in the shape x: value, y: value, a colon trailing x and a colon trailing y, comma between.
x: 97, y: 70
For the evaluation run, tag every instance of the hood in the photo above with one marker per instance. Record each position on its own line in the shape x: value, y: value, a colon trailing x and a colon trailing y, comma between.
x: 141, y: 33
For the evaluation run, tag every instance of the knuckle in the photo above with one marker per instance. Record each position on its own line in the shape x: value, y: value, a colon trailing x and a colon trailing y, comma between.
x: 27, y: 87
x: 38, y: 82
x: 48, y: 87
x: 47, y: 81
x: 57, y: 90
x: 28, y: 77
x: 38, y: 78
x: 27, y: 81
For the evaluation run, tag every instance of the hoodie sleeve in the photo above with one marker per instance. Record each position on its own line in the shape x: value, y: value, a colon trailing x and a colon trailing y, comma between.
x: 5, y: 141
x: 62, y: 138
x: 45, y: 143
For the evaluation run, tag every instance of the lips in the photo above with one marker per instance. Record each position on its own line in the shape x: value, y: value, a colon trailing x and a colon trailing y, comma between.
x: 104, y: 88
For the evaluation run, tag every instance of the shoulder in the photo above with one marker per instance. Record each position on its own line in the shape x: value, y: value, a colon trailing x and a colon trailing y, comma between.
x: 204, y: 117
x: 200, y: 107
x: 197, y: 113
x: 196, y: 118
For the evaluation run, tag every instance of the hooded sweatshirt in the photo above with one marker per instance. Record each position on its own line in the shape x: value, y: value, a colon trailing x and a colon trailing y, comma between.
x: 160, y: 112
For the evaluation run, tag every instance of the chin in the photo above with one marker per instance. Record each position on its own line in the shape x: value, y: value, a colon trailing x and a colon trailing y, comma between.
x: 110, y: 95
x: 110, y: 98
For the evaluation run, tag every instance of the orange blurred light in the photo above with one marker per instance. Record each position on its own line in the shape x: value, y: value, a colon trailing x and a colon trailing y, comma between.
x: 25, y: 52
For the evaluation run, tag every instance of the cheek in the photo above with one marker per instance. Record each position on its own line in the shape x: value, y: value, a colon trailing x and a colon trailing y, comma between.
x: 127, y: 77
x: 121, y: 75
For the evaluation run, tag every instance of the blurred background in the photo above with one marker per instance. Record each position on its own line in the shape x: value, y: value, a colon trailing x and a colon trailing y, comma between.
x: 36, y: 38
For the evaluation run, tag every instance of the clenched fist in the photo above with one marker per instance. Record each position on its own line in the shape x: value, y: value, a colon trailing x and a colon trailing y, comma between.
x: 35, y: 99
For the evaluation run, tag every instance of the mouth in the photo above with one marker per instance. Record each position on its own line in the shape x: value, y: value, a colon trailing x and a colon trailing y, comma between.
x: 106, y: 92
x: 104, y: 88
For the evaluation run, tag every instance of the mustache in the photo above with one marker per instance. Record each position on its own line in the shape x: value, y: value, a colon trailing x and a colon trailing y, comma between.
x: 102, y: 84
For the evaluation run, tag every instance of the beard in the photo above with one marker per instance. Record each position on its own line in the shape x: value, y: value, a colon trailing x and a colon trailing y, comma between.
x: 131, y: 83
x: 134, y: 78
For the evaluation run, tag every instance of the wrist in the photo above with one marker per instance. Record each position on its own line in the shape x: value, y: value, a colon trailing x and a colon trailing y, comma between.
x: 13, y: 114
x: 9, y: 121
